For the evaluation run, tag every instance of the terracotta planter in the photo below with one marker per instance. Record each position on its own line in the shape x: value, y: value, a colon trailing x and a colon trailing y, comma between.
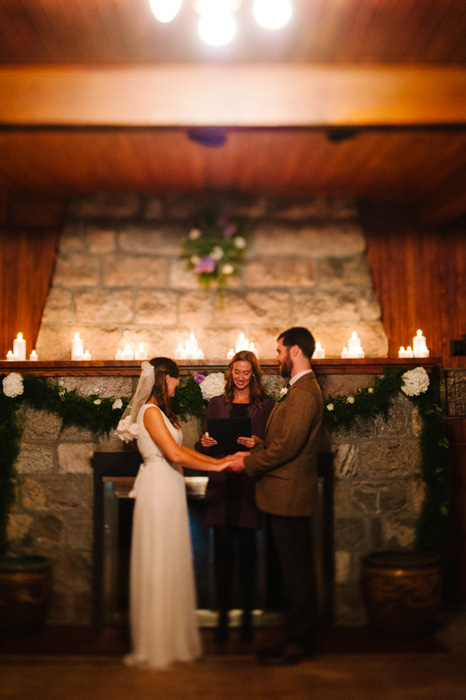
x: 25, y: 587
x: 402, y: 592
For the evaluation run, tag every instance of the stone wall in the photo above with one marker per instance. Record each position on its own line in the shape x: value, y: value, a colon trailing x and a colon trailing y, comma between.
x: 377, y: 493
x: 119, y: 278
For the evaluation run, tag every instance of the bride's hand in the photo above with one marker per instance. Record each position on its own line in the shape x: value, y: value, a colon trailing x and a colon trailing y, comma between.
x: 223, y: 463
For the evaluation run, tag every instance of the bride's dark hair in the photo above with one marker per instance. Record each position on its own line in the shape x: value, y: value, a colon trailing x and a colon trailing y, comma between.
x: 164, y: 366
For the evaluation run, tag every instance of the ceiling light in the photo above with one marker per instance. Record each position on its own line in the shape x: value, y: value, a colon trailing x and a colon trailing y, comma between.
x: 165, y: 10
x: 217, y: 28
x: 272, y: 14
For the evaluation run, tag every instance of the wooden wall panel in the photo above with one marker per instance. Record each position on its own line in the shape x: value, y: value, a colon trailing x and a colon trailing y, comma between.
x: 419, y: 278
x: 28, y: 243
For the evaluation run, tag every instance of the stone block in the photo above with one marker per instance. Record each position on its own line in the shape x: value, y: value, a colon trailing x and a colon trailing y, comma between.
x: 59, y: 307
x: 156, y: 307
x: 77, y: 533
x: 395, y: 458
x: 158, y: 341
x: 257, y: 308
x: 337, y: 272
x: 151, y: 239
x: 34, y: 495
x: 350, y: 534
x: 41, y: 425
x: 345, y: 461
x: 398, y: 534
x: 196, y: 308
x: 75, y: 458
x: 36, y: 458
x: 280, y: 272
x: 65, y: 493
x: 344, y: 384
x: 101, y: 239
x: 115, y: 206
x: 300, y: 209
x: 153, y: 208
x: 104, y: 306
x: 396, y: 498
x: 191, y: 431
x: 18, y: 528
x: 105, y: 387
x: 72, y: 433
x: 72, y: 238
x: 109, y: 443
x: 47, y: 530
x: 342, y: 567
x: 134, y: 271
x: 76, y: 270
x: 332, y: 306
x: 315, y: 241
x: 341, y: 506
x: 54, y: 343
x: 397, y: 422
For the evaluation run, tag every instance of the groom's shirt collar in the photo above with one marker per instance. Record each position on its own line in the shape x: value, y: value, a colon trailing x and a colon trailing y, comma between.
x: 298, y: 376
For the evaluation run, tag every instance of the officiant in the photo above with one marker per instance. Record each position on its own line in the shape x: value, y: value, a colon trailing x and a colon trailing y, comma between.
x: 235, y: 421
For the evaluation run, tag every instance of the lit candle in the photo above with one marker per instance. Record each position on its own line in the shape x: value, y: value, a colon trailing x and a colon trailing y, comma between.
x: 409, y: 352
x: 252, y: 348
x: 419, y: 345
x: 77, y: 348
x: 128, y: 353
x: 19, y: 347
x: 86, y: 355
x: 141, y: 353
x: 319, y: 352
x: 179, y: 352
x: 118, y: 355
x: 242, y: 343
x: 402, y: 352
x: 230, y: 353
x: 191, y: 347
x: 200, y: 354
x: 33, y: 356
x: 344, y: 353
x: 10, y: 356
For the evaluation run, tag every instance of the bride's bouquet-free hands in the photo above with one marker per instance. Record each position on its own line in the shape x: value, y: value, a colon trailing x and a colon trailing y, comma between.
x: 237, y: 461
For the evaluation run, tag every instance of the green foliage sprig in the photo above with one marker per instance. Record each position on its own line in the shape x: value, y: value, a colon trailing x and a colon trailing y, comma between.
x: 188, y: 400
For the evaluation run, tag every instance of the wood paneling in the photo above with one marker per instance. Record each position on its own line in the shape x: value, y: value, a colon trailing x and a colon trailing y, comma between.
x: 420, y: 281
x: 27, y: 258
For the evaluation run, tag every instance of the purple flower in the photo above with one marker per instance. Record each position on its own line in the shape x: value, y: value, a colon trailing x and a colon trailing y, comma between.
x: 199, y: 378
x: 230, y: 230
x: 205, y: 264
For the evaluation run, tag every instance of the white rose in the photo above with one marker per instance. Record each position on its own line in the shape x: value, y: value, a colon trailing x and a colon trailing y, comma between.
x: 330, y: 407
x: 350, y: 399
x: 194, y: 234
x: 118, y: 403
x: 239, y: 242
x: 13, y: 385
x: 213, y: 385
x: 370, y: 390
x: 217, y: 253
x: 97, y: 402
x: 227, y: 269
x: 415, y: 381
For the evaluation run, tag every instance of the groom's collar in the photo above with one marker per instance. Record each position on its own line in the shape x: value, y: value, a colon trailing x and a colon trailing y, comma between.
x: 298, y: 376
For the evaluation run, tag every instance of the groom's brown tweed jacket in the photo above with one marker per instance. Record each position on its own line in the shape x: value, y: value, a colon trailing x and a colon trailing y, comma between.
x: 285, y: 465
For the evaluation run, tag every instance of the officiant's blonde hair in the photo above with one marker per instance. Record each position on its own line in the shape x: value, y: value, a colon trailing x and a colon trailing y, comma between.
x: 256, y: 389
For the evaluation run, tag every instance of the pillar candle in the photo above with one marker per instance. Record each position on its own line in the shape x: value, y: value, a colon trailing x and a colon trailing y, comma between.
x: 128, y: 353
x: 19, y: 348
x: 118, y: 355
x: 191, y: 347
x: 319, y: 352
x: 242, y: 343
x: 230, y: 353
x: 179, y: 352
x: 141, y: 353
x: 77, y: 348
x: 419, y: 345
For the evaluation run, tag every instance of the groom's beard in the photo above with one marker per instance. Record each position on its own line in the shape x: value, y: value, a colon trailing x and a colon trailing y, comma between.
x: 286, y: 366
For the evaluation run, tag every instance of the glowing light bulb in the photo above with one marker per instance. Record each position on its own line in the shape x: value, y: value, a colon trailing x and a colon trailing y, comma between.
x: 272, y: 14
x: 217, y: 28
x: 165, y: 10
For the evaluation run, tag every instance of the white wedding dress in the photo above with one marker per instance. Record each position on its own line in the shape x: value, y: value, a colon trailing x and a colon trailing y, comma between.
x: 162, y: 589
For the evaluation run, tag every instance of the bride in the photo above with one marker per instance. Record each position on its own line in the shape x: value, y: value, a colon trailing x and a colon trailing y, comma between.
x: 162, y: 591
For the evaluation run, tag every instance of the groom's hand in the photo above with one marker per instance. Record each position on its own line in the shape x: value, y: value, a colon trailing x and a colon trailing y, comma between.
x: 237, y: 461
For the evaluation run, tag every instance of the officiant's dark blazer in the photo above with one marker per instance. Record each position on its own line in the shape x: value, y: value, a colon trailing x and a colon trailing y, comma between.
x: 285, y: 464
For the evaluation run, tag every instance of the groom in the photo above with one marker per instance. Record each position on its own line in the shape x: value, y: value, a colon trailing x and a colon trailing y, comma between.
x: 285, y: 469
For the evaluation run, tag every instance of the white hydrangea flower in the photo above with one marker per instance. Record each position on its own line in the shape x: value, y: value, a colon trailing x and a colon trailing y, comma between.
x: 194, y: 234
x: 330, y: 407
x: 350, y: 399
x: 370, y: 390
x: 227, y: 269
x: 239, y: 242
x: 118, y: 403
x: 217, y: 253
x: 13, y: 385
x: 213, y: 385
x: 415, y: 381
x: 126, y: 430
x: 97, y: 402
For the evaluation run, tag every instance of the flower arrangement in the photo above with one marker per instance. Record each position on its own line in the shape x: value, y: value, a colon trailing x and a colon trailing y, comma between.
x: 212, y: 385
x: 216, y: 246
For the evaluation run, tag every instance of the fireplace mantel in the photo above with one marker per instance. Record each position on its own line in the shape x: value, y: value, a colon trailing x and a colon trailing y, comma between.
x: 114, y: 368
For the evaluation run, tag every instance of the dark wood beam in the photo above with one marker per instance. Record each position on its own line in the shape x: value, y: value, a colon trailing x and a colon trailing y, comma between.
x: 235, y: 96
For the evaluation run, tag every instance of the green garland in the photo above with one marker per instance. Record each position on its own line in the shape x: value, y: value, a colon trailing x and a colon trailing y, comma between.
x: 101, y: 416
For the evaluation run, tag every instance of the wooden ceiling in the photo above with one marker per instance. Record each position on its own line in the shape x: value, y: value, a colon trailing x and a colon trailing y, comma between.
x: 363, y: 98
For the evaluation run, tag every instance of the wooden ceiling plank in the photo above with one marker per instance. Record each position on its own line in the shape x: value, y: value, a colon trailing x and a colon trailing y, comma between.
x: 242, y: 96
